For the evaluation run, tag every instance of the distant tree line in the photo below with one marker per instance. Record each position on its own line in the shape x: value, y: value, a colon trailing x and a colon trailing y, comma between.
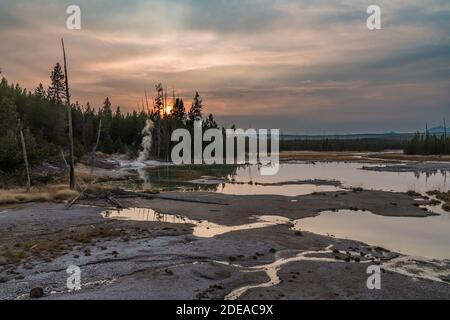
x: 438, y: 144
x: 335, y: 144
x: 42, y: 116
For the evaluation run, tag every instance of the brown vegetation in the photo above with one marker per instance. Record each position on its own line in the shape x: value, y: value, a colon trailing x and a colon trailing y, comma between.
x: 443, y: 196
x: 50, y: 193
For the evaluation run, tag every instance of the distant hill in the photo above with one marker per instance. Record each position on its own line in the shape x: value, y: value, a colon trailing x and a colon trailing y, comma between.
x: 389, y: 135
x: 439, y: 130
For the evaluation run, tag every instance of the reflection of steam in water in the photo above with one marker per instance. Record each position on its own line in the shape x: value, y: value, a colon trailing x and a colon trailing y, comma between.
x: 202, y: 228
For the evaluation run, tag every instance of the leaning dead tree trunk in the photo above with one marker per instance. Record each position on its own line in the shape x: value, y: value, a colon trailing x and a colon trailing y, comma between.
x: 69, y: 113
x: 25, y: 158
x: 83, y: 191
x: 94, y: 149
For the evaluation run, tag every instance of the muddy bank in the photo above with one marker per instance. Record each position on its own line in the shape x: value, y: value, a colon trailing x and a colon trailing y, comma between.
x: 122, y: 259
x: 418, y: 167
x: 372, y: 157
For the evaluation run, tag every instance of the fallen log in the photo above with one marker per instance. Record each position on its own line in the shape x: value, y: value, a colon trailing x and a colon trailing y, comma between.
x: 124, y: 193
x: 113, y: 195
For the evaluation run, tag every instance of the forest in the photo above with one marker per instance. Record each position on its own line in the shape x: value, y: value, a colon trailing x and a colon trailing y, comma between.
x: 43, y: 118
x: 428, y: 144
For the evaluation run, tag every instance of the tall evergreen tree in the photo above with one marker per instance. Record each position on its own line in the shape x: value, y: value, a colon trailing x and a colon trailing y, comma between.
x: 196, y: 110
x: 40, y: 91
x: 57, y: 90
x: 178, y: 111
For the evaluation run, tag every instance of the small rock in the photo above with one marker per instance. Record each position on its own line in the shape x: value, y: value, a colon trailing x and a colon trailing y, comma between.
x: 232, y: 258
x: 3, y: 279
x: 36, y: 293
x: 272, y: 250
x: 335, y: 251
x: 169, y: 272
x: 299, y: 233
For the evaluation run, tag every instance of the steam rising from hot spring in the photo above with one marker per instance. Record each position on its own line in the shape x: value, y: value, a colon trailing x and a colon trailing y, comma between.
x: 146, y: 141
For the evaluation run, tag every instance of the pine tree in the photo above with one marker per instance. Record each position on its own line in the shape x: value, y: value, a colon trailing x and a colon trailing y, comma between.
x: 210, y: 123
x: 178, y: 111
x: 57, y: 90
x: 40, y: 91
x: 9, y: 116
x: 196, y: 108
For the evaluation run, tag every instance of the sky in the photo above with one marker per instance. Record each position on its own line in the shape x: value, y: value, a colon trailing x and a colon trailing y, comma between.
x: 301, y: 66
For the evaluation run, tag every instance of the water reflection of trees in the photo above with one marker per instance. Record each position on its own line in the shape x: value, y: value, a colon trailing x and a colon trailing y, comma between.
x: 430, y: 173
x: 184, y: 177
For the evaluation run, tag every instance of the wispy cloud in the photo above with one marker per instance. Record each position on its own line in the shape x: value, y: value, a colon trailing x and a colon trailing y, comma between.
x: 312, y: 63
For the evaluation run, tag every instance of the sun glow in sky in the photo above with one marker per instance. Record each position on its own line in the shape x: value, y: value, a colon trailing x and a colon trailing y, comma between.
x: 302, y: 66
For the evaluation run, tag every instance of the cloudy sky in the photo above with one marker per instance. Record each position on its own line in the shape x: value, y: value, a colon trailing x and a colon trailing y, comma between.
x: 300, y: 65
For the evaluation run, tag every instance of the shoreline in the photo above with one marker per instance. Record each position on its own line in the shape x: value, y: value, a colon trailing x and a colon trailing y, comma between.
x: 124, y: 259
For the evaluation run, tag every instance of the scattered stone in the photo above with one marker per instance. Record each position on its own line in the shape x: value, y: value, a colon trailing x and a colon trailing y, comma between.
x: 3, y: 279
x: 299, y: 233
x: 272, y: 250
x: 169, y: 272
x: 232, y: 258
x: 335, y: 251
x: 36, y: 293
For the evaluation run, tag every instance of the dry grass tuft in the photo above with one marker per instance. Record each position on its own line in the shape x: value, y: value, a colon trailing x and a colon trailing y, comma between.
x: 39, y: 194
x: 443, y: 196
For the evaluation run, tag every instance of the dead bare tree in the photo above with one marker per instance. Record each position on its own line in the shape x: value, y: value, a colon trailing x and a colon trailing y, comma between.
x: 94, y: 149
x: 146, y: 102
x: 69, y: 113
x: 25, y: 158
